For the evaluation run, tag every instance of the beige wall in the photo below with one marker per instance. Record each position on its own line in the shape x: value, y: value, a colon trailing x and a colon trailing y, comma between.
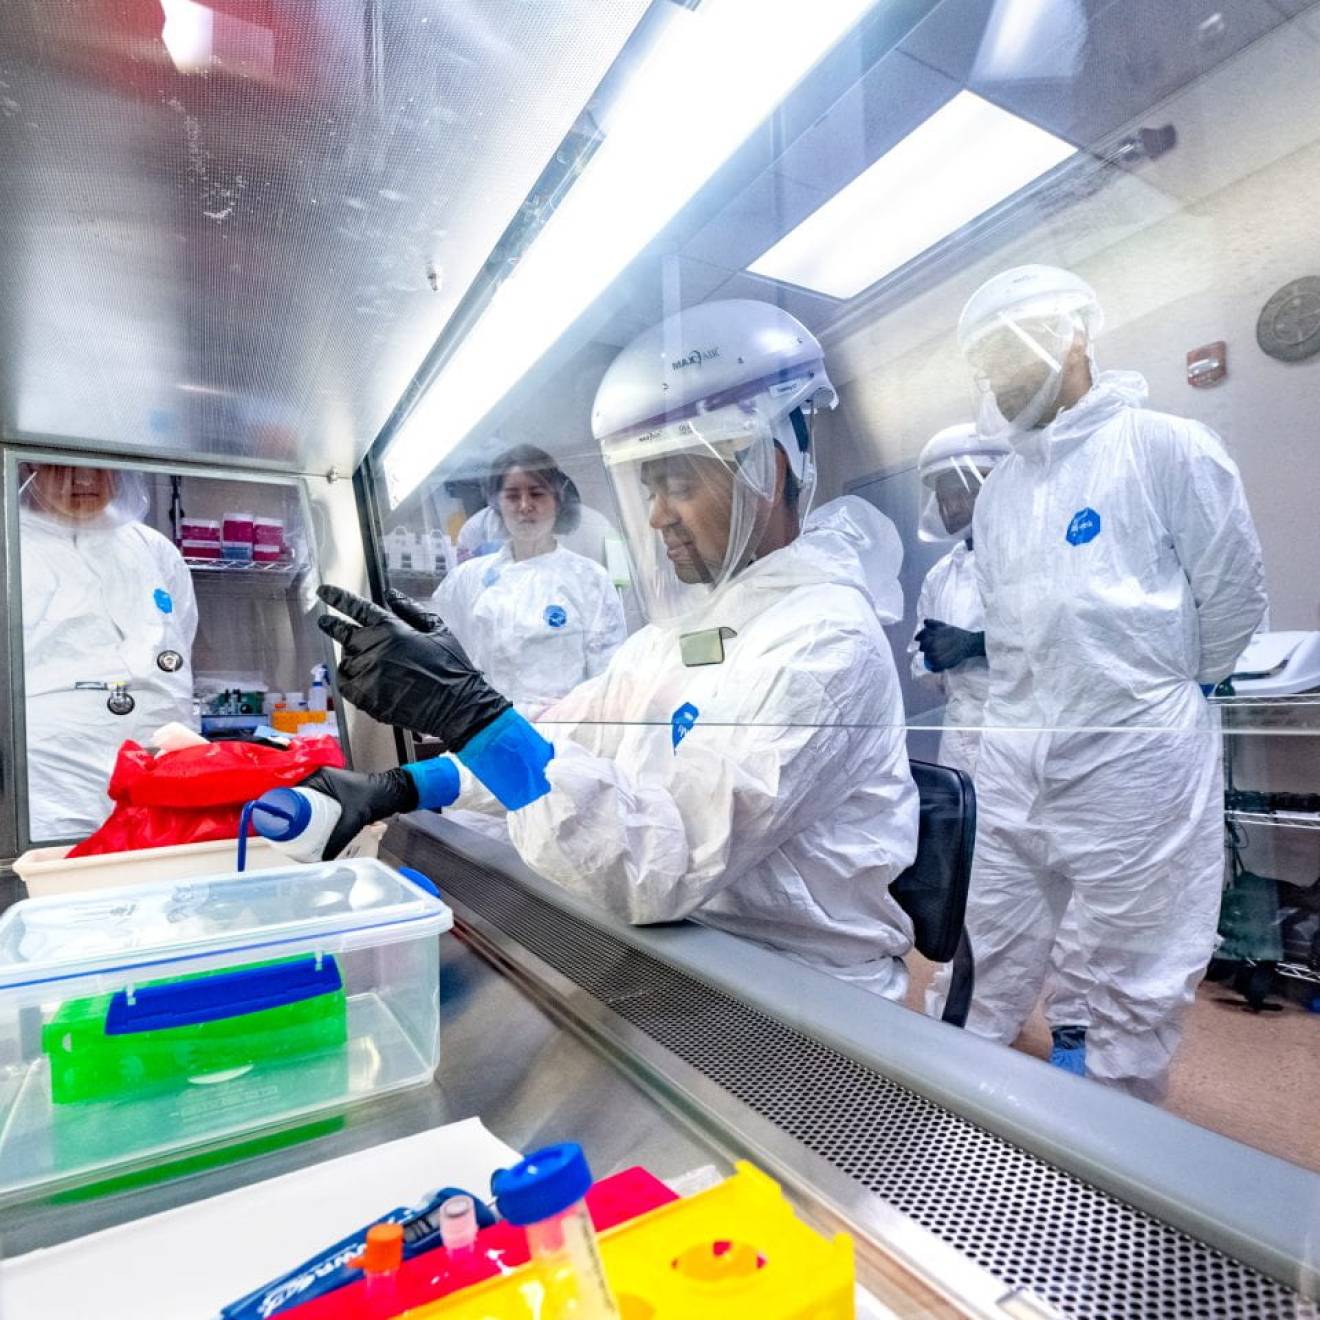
x: 1175, y: 266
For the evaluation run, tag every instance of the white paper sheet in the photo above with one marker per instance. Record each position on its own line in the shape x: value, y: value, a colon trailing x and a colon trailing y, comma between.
x: 185, y: 1264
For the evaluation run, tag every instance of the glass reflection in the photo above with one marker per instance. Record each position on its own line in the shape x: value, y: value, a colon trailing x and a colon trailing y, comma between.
x: 536, y: 617
x: 1092, y: 605
x: 109, y: 617
x: 1121, y: 578
x: 152, y: 600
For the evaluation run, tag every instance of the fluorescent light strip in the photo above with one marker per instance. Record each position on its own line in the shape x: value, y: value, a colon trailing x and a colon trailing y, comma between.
x: 967, y: 157
x: 716, y: 75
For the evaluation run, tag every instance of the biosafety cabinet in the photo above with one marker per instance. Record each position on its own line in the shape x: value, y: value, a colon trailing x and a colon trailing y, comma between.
x: 299, y: 276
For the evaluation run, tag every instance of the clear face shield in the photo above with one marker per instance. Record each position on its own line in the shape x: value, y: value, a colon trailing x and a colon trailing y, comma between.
x: 953, y: 486
x: 83, y: 498
x: 695, y: 496
x: 1017, y: 368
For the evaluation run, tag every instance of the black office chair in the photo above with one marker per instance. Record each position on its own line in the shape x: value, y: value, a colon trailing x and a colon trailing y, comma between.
x: 933, y: 890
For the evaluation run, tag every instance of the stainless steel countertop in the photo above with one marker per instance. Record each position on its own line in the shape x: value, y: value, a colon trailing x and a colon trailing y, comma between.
x: 530, y: 1080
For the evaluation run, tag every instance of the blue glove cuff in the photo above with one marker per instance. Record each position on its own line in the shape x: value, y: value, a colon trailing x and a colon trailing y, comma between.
x: 510, y: 758
x: 436, y: 781
x: 1207, y: 689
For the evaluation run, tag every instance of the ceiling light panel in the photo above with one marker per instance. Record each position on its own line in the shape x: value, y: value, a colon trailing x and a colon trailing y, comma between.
x: 966, y: 158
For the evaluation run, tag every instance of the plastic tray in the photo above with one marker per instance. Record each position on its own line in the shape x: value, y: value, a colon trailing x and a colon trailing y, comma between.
x: 47, y: 871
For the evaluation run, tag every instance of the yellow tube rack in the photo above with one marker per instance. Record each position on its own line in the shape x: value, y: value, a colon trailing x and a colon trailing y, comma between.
x: 736, y: 1251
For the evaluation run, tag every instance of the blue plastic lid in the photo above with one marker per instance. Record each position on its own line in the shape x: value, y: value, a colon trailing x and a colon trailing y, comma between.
x: 281, y: 814
x: 547, y: 1182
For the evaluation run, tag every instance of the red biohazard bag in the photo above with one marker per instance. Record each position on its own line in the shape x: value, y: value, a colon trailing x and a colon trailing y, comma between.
x: 195, y: 794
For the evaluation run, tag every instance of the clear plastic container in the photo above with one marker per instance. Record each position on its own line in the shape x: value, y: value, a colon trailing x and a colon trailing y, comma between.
x: 142, y: 1025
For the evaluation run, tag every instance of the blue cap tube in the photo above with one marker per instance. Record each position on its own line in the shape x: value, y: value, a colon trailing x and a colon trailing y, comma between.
x: 547, y: 1182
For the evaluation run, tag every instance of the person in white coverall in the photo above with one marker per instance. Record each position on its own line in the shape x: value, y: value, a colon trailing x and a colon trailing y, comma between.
x: 534, y: 617
x: 953, y: 467
x: 742, y: 760
x: 1121, y: 577
x: 948, y: 651
x: 109, y: 618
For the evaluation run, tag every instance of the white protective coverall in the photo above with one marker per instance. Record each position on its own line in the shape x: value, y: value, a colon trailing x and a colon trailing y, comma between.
x: 951, y: 594
x: 100, y: 605
x: 782, y: 807
x: 535, y: 627
x: 1119, y: 569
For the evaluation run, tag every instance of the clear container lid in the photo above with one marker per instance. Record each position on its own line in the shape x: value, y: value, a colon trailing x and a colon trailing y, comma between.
x: 73, y: 943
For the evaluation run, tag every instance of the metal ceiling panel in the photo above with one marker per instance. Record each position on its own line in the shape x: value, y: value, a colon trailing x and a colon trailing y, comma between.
x: 873, y: 115
x: 814, y: 310
x: 953, y: 37
x: 652, y: 289
x: 248, y: 259
x: 1088, y: 67
x: 753, y: 220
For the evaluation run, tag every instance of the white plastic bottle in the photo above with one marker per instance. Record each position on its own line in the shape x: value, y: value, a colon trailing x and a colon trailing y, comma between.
x: 316, y: 694
x: 297, y: 821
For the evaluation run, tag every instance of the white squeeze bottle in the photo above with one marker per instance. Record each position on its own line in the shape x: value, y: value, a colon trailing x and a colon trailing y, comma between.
x: 297, y: 821
x: 316, y: 694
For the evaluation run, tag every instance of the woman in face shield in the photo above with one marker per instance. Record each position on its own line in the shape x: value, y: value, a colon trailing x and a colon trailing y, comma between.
x: 742, y: 760
x: 1121, y: 578
x: 534, y: 617
x: 109, y: 618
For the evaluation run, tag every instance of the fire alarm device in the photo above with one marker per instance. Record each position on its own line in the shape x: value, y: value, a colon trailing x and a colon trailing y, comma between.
x: 1207, y: 365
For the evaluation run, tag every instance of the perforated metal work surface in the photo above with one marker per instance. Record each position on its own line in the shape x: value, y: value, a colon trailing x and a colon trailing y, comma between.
x: 1026, y: 1221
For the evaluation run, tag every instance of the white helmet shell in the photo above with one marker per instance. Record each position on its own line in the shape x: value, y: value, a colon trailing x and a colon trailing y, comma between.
x: 945, y: 448
x: 704, y: 399
x: 1025, y: 293
x: 746, y: 358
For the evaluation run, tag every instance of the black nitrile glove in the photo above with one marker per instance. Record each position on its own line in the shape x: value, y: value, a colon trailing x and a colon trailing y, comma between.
x: 946, y: 647
x: 412, y: 613
x: 399, y: 674
x: 363, y: 800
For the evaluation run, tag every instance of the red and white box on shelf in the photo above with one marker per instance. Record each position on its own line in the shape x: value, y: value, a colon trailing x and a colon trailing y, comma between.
x: 238, y: 528
x: 198, y: 529
x: 200, y: 549
x: 268, y: 540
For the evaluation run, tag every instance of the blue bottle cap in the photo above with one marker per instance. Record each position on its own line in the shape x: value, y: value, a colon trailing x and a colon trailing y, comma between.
x: 546, y: 1182
x: 281, y: 814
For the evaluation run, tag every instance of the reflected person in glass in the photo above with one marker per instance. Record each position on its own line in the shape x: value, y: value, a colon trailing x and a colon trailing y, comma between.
x: 534, y: 617
x: 109, y: 619
x: 1121, y: 578
x: 949, y: 651
x: 742, y: 760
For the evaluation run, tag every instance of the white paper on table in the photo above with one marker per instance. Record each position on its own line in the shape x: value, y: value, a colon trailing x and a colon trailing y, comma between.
x: 186, y: 1263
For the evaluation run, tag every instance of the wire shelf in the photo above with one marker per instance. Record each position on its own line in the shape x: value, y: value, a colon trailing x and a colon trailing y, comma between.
x: 275, y: 572
x: 1291, y: 820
